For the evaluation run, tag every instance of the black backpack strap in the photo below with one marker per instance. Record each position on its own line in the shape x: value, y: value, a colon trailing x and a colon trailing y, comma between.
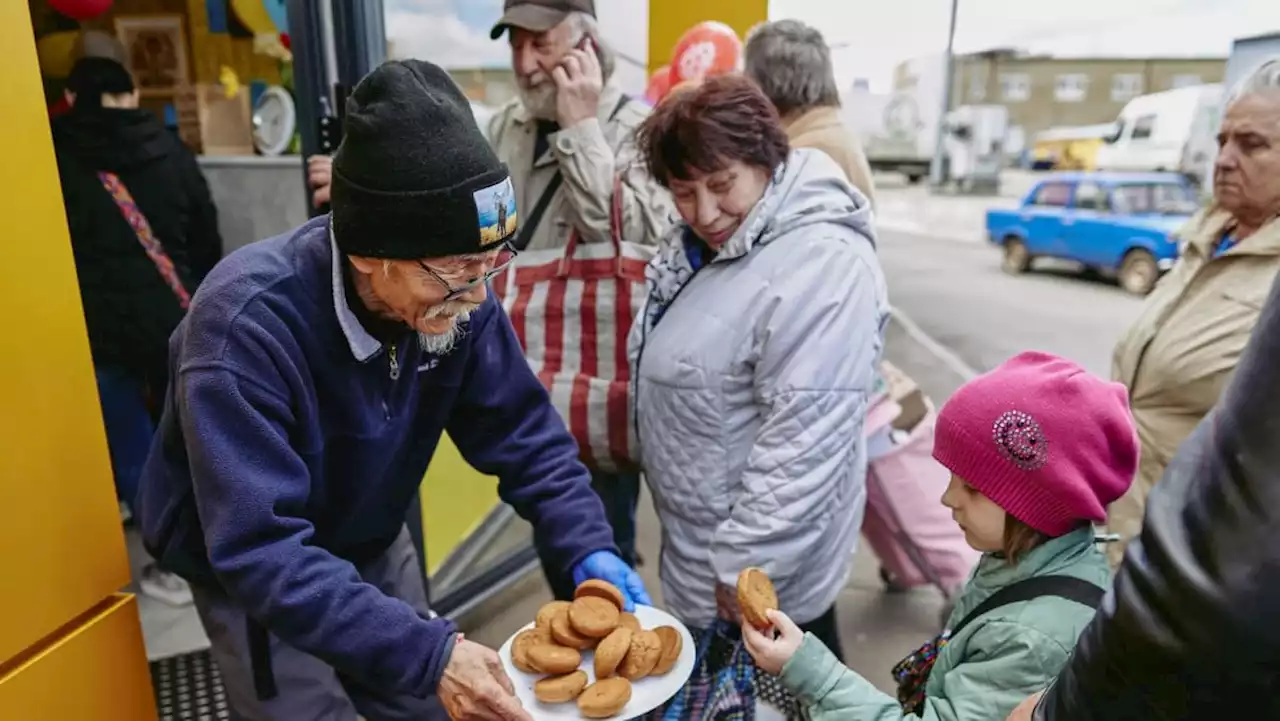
x: 1068, y: 587
x: 529, y: 224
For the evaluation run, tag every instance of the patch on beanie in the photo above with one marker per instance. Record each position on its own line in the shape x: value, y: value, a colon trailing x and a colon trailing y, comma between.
x: 496, y: 209
x: 1020, y: 440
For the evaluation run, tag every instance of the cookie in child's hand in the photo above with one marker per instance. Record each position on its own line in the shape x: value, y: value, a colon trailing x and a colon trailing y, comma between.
x: 756, y: 597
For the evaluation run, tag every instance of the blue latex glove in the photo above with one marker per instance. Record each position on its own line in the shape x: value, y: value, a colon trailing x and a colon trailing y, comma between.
x: 606, y: 566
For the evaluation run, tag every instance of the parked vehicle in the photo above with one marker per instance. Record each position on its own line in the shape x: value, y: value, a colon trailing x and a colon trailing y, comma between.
x: 898, y: 130
x: 1168, y: 131
x: 1119, y: 224
x: 1070, y: 148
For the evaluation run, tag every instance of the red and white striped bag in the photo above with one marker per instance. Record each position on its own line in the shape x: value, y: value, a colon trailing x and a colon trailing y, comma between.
x: 572, y: 310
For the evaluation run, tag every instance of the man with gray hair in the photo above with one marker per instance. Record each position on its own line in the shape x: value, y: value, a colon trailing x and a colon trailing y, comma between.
x: 568, y: 141
x: 791, y: 63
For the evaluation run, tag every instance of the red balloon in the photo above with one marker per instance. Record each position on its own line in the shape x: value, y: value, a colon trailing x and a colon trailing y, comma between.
x: 706, y: 49
x: 659, y: 84
x: 81, y: 9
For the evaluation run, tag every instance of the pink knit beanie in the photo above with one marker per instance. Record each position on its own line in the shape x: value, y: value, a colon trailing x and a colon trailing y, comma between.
x: 1042, y: 438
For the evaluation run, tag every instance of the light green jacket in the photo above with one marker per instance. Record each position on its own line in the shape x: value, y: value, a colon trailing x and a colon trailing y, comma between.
x: 993, y: 664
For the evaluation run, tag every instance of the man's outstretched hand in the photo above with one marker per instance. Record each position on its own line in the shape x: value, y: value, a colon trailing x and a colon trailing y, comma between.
x: 476, y: 688
x: 606, y: 566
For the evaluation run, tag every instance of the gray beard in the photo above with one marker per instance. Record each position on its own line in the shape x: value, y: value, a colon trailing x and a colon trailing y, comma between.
x: 540, y: 100
x: 442, y: 343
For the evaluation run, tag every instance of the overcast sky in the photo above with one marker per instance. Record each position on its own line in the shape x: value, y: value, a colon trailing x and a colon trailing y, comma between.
x: 872, y: 37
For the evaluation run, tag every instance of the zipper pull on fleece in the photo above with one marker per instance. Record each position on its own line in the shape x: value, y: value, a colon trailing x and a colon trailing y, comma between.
x: 395, y: 363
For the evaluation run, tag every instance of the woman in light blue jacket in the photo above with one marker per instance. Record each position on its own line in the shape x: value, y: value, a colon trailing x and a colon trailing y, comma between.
x: 753, y: 358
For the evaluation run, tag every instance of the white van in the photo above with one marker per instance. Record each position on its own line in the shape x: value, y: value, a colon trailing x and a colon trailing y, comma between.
x: 1169, y: 131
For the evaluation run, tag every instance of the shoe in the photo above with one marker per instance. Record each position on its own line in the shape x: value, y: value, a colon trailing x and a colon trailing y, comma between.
x: 165, y: 587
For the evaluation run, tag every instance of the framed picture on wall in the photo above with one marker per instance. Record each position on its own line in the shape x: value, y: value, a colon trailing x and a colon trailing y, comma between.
x: 155, y: 51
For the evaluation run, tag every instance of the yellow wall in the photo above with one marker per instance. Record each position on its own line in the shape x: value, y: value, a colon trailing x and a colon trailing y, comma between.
x: 61, y: 545
x: 669, y: 19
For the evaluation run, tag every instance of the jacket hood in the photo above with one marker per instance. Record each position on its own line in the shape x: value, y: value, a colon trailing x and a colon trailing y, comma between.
x: 114, y: 139
x: 808, y: 189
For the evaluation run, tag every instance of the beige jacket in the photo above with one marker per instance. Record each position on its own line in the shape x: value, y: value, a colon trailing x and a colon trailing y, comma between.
x: 1177, y: 357
x: 589, y: 155
x: 821, y: 128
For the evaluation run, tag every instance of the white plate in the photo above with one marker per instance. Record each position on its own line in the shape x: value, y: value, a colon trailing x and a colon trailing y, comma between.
x: 646, y: 694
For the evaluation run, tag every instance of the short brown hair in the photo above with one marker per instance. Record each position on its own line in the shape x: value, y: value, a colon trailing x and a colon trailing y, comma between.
x: 704, y: 128
x: 1019, y: 539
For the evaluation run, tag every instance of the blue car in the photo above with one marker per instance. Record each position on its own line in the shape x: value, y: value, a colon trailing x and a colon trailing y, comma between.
x: 1119, y: 224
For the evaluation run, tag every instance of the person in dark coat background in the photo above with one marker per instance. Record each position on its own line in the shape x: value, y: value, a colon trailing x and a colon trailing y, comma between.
x: 130, y: 308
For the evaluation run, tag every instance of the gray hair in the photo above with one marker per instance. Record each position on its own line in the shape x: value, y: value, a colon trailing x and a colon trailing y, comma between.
x: 585, y: 24
x: 1263, y: 79
x: 791, y: 63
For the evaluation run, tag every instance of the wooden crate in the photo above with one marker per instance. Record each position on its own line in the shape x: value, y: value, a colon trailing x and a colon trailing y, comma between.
x: 211, y: 123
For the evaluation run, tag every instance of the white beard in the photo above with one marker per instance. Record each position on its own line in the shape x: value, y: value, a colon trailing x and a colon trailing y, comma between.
x: 442, y: 343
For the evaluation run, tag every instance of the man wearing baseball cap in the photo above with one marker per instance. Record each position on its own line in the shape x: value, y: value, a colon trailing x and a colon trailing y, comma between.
x: 312, y: 380
x: 567, y: 137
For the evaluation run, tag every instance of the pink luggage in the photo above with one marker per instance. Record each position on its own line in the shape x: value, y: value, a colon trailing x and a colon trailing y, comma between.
x: 907, y: 526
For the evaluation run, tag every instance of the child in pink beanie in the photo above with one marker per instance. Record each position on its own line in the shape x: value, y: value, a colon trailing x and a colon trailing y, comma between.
x: 1037, y: 449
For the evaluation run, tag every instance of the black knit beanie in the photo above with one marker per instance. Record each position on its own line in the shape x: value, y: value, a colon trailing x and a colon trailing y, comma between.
x: 414, y: 176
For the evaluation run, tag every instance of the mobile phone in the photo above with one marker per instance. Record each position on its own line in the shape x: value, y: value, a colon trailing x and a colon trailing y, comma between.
x: 588, y: 42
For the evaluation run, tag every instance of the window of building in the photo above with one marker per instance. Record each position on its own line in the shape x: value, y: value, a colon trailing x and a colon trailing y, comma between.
x: 1185, y: 81
x: 1071, y: 87
x: 1143, y: 127
x: 1054, y: 195
x: 1015, y: 87
x: 1126, y: 86
x: 977, y: 84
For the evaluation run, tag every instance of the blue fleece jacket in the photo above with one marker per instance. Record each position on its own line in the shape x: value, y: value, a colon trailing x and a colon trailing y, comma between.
x: 292, y: 443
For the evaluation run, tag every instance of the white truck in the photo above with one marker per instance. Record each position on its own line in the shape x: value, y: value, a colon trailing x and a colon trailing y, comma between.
x: 1169, y: 131
x: 898, y: 130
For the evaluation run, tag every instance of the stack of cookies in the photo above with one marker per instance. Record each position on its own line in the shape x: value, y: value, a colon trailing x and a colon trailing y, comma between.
x: 624, y: 652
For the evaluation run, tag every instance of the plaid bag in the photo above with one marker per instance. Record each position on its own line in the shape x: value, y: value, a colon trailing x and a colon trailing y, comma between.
x: 726, y: 684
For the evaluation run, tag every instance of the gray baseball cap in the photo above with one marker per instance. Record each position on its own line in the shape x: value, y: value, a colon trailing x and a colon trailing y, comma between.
x: 538, y: 16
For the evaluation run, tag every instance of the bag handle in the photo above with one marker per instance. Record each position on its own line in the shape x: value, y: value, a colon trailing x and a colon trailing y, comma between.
x: 1068, y: 587
x: 615, y: 231
x: 146, y: 237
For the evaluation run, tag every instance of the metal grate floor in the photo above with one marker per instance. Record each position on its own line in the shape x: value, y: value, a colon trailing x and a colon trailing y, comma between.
x: 189, y: 688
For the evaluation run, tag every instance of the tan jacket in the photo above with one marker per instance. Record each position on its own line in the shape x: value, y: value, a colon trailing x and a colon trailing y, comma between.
x: 588, y: 155
x: 1177, y: 357
x: 821, y: 128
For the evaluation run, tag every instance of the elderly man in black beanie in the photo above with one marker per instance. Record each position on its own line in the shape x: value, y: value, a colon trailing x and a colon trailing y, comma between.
x: 313, y: 378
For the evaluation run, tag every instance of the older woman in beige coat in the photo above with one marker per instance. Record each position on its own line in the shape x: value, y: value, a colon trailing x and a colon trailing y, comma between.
x: 1177, y: 357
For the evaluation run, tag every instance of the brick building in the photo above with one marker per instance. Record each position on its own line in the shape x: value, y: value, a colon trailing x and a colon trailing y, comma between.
x: 1042, y: 92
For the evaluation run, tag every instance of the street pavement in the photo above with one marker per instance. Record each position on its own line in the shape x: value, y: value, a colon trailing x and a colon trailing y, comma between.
x: 956, y: 314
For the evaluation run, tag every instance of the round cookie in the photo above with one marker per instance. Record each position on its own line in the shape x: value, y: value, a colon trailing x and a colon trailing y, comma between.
x: 672, y: 645
x: 756, y: 596
x: 547, y: 613
x: 646, y: 649
x: 554, y: 660
x: 611, y: 651
x: 601, y: 589
x: 605, y: 698
x: 524, y: 641
x: 561, y: 689
x: 593, y: 617
x: 630, y: 621
x: 563, y: 633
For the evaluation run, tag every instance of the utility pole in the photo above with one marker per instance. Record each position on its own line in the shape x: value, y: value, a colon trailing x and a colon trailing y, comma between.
x: 935, y: 168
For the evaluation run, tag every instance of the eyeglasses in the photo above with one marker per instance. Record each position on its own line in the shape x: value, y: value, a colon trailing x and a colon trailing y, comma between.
x: 505, y: 254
